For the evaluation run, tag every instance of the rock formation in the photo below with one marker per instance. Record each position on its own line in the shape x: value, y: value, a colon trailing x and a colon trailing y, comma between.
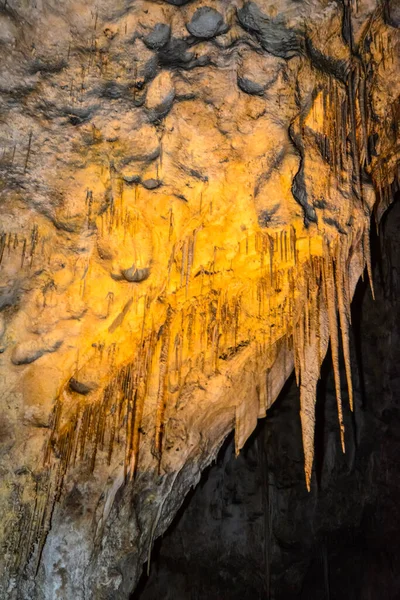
x: 187, y: 191
x: 250, y: 530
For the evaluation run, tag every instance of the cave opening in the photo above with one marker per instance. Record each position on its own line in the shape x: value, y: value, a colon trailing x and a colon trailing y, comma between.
x: 250, y: 530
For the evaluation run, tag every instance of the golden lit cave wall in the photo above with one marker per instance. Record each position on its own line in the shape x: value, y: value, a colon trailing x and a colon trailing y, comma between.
x: 171, y: 234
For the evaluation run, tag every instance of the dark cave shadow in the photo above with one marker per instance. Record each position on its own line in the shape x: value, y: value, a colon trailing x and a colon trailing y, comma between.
x: 356, y: 326
x: 262, y: 426
x: 155, y: 553
x: 320, y: 419
x: 277, y: 405
x: 363, y: 287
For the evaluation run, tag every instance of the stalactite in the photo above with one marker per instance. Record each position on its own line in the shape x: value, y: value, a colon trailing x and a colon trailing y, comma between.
x: 330, y: 299
x: 367, y: 255
x: 307, y: 415
x: 162, y: 386
x: 351, y: 95
x: 365, y: 159
x: 309, y: 370
x: 341, y: 275
x: 3, y: 240
x: 28, y: 152
x: 184, y: 261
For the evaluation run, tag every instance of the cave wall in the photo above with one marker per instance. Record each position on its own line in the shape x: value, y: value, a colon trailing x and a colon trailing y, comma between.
x: 186, y: 194
x: 249, y: 530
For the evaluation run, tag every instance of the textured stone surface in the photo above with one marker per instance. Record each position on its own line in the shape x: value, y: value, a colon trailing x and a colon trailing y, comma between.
x: 160, y: 95
x: 170, y: 247
x: 249, y: 530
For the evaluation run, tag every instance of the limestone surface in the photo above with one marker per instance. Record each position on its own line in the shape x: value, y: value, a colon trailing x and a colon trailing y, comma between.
x: 186, y: 193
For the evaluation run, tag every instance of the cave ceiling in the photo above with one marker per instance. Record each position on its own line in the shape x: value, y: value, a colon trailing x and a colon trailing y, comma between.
x: 186, y: 195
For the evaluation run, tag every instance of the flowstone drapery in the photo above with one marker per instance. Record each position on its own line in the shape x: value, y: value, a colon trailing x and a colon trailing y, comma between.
x: 187, y: 191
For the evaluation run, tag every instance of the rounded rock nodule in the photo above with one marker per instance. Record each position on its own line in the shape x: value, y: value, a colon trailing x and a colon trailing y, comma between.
x: 158, y: 37
x: 206, y: 23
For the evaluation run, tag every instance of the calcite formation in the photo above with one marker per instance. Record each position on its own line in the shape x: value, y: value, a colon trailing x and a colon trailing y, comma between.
x: 187, y: 190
